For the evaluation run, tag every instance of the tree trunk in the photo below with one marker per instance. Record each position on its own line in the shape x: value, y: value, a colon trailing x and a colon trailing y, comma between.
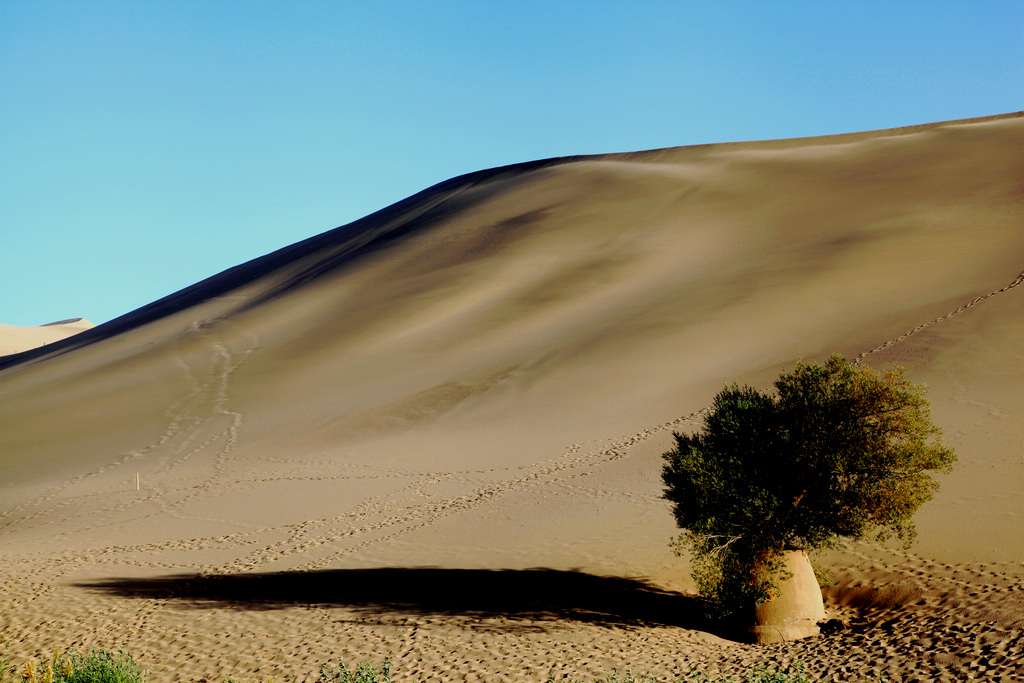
x: 796, y: 609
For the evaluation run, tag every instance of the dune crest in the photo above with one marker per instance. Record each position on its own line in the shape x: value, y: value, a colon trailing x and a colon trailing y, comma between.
x: 482, y: 377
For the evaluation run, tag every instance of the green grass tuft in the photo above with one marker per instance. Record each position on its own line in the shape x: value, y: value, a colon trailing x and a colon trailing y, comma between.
x: 98, y: 666
x: 364, y: 673
x: 794, y: 674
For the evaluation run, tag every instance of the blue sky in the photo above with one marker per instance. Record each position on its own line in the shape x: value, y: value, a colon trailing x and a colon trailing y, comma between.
x: 145, y: 146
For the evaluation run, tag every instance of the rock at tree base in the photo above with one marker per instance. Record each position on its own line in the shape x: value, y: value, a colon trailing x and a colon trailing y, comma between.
x: 796, y: 610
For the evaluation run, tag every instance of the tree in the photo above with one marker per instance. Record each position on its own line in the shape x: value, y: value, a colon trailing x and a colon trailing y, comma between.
x: 838, y: 451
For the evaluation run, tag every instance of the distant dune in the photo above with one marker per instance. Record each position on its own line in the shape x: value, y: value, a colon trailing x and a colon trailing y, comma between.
x: 482, y: 377
x: 15, y: 339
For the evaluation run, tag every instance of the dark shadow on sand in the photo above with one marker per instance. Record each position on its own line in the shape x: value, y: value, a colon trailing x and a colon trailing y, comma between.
x: 533, y: 595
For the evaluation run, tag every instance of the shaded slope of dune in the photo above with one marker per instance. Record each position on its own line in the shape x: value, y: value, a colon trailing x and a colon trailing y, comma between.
x: 653, y: 271
x: 485, y: 374
x: 297, y: 263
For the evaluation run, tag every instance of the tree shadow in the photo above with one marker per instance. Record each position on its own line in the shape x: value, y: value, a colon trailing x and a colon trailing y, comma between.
x: 530, y: 595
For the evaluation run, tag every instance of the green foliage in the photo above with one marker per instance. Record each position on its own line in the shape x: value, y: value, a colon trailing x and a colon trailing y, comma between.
x: 364, y: 673
x: 838, y: 451
x: 793, y: 674
x: 105, y: 667
x: 614, y: 677
x: 98, y: 666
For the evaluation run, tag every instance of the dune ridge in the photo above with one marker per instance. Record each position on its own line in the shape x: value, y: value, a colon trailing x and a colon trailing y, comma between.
x: 473, y: 388
x: 349, y: 241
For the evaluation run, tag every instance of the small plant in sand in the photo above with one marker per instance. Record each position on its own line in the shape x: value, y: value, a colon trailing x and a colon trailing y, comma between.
x: 98, y: 666
x: 793, y: 674
x: 838, y: 451
x: 364, y: 673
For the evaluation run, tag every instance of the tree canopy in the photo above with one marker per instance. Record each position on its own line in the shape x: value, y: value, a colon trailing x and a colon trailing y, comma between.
x: 838, y: 450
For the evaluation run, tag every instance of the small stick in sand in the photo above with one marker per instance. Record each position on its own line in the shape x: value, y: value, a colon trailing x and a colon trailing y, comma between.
x: 136, y: 481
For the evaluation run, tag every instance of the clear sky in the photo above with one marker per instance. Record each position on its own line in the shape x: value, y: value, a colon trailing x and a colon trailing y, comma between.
x: 147, y: 145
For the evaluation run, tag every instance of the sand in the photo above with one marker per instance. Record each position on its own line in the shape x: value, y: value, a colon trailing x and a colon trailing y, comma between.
x: 435, y: 434
x: 17, y: 338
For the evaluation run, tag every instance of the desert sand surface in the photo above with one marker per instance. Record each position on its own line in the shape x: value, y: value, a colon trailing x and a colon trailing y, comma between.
x: 18, y: 338
x: 435, y: 434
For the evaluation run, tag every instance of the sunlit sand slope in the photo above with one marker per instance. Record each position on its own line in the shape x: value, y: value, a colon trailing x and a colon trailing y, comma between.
x: 17, y: 338
x: 483, y: 376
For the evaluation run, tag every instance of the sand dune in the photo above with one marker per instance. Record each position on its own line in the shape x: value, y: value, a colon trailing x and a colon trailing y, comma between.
x: 17, y: 339
x: 480, y: 379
